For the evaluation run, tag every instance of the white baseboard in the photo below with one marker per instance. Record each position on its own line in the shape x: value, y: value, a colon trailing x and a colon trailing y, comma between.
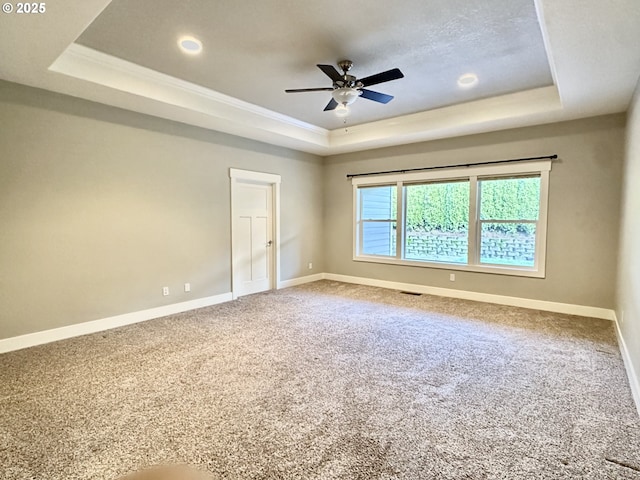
x: 581, y: 310
x: 46, y: 336
x: 55, y: 334
x: 634, y: 380
x: 38, y: 338
x: 301, y: 280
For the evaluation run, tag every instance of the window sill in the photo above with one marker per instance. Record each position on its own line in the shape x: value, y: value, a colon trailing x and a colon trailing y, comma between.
x: 492, y: 269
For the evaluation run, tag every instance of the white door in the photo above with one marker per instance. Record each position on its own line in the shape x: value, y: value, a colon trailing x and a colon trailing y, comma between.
x: 253, y: 235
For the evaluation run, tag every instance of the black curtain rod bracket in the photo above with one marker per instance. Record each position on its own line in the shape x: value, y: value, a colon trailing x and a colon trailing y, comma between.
x: 407, y: 170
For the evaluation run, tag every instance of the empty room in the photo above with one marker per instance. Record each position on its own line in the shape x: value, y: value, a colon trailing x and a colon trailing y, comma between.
x: 319, y: 240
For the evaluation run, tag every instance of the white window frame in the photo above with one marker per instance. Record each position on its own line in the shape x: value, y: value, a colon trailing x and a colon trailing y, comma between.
x: 472, y: 173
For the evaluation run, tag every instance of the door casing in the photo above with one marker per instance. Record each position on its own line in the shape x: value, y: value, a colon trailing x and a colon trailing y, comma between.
x: 256, y: 178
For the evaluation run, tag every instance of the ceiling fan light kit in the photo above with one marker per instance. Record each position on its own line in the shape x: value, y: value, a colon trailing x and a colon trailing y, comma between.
x: 342, y: 111
x: 345, y: 95
x: 347, y: 88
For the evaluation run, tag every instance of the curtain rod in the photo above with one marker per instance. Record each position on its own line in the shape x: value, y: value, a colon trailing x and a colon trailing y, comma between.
x: 406, y: 170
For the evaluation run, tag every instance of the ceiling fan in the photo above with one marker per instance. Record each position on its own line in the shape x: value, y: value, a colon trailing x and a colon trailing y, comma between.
x: 347, y: 88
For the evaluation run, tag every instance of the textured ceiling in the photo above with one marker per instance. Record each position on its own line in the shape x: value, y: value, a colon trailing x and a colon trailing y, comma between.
x: 584, y: 51
x: 253, y: 50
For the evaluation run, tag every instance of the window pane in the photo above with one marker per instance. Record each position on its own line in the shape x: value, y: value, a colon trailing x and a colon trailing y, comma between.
x: 378, y: 203
x: 508, y: 244
x: 510, y: 198
x: 437, y: 222
x: 379, y: 238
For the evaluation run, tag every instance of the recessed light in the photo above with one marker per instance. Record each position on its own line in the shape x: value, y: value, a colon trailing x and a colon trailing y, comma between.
x: 190, y: 45
x: 468, y: 80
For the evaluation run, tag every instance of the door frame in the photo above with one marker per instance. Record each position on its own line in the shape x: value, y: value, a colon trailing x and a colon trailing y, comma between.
x: 258, y: 178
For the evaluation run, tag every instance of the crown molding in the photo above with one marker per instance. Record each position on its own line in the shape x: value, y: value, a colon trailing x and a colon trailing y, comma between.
x: 525, y: 108
x: 592, y: 75
x: 223, y: 112
x: 179, y: 100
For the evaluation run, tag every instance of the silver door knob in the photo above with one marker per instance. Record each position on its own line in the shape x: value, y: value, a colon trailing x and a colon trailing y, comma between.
x: 269, y: 243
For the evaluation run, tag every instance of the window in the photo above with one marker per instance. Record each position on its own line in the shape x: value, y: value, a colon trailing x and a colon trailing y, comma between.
x: 509, y: 212
x: 489, y: 218
x: 378, y: 220
x: 437, y: 222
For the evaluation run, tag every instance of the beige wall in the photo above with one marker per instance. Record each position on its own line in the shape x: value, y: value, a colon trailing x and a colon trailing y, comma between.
x: 628, y: 302
x: 584, y: 198
x: 100, y: 208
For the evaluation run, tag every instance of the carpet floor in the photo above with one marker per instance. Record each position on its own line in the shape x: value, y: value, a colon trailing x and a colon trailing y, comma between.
x: 326, y: 381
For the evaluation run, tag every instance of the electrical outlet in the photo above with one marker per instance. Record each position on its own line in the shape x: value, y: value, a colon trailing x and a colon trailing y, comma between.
x: 452, y: 277
x: 187, y: 287
x: 165, y: 291
x: 310, y: 265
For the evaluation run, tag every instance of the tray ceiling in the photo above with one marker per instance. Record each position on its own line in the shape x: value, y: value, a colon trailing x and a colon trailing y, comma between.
x: 253, y: 50
x: 537, y: 61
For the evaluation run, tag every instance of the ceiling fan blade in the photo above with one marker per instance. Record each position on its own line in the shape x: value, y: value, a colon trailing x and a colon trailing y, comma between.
x: 331, y: 72
x: 375, y: 96
x: 331, y: 105
x: 393, y: 74
x: 296, y: 90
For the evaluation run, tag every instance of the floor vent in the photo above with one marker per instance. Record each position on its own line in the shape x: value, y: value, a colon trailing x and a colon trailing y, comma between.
x: 412, y: 293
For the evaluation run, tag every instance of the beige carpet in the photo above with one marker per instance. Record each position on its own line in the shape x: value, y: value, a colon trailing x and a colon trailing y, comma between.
x: 327, y: 381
